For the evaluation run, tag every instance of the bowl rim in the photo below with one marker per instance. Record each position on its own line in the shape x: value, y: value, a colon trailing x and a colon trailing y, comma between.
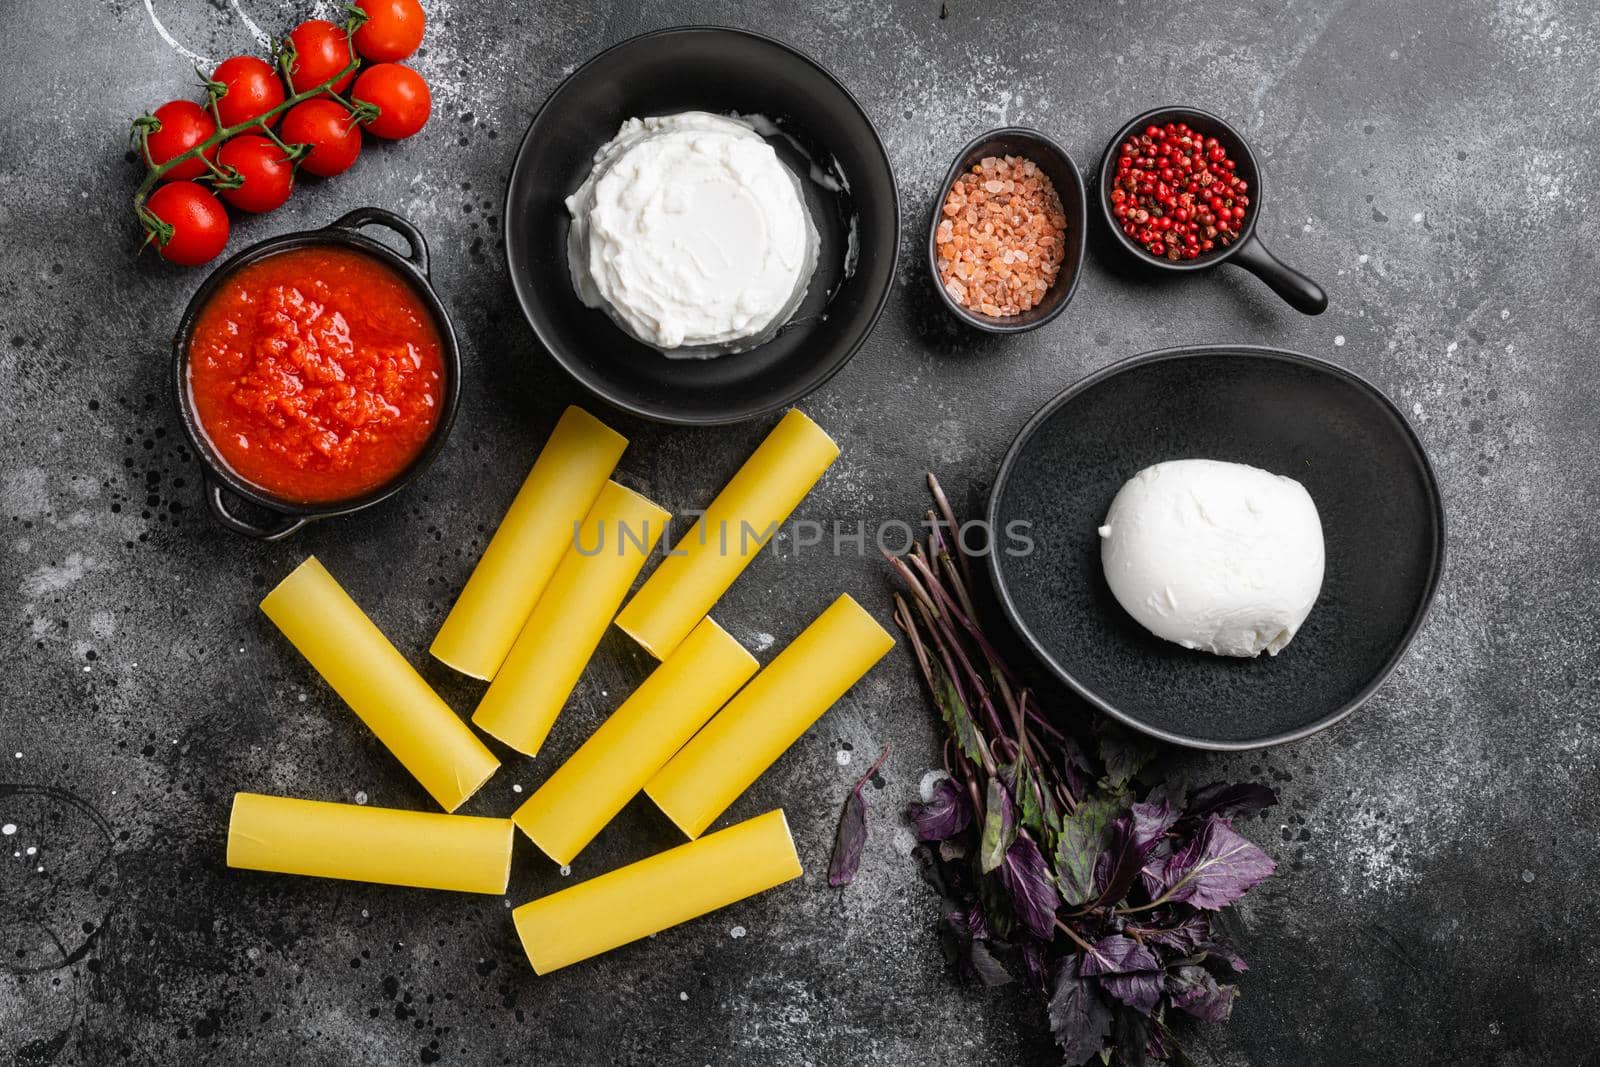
x: 1080, y: 224
x: 658, y: 413
x: 1419, y: 616
x: 1214, y: 258
x: 340, y: 232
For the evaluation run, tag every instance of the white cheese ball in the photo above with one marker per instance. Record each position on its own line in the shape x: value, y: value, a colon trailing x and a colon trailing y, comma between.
x: 692, y: 234
x: 1221, y: 557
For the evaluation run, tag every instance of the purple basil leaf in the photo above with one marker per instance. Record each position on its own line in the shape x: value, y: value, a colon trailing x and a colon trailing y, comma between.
x: 998, y: 908
x: 972, y: 921
x: 1123, y: 757
x: 1118, y: 867
x: 1079, y: 1018
x: 1076, y: 769
x: 955, y: 713
x: 1160, y: 1042
x: 1172, y: 793
x: 1230, y: 800
x: 953, y: 940
x: 1117, y: 954
x: 1151, y: 823
x: 1130, y: 1039
x: 1165, y: 1048
x: 1083, y: 837
x: 967, y: 944
x: 1033, y: 894
x: 1038, y: 967
x: 1073, y: 757
x: 1216, y: 868
x: 946, y: 812
x: 960, y: 927
x: 1128, y: 971
x: 851, y: 837
x: 1223, y: 950
x: 987, y: 966
x: 1030, y: 812
x: 999, y: 826
x: 1184, y: 937
x: 1138, y: 991
x: 1152, y: 874
x: 1050, y: 812
x: 943, y: 876
x: 1193, y: 990
x: 849, y: 841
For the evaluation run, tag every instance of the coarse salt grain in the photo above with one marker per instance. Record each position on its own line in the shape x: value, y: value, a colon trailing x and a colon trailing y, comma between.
x: 1001, y: 242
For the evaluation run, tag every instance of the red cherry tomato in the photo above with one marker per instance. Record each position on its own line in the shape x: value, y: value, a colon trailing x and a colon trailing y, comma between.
x: 266, y: 174
x: 321, y: 50
x: 193, y: 225
x: 329, y: 129
x: 393, y: 29
x: 399, y: 94
x: 179, y: 126
x: 250, y: 87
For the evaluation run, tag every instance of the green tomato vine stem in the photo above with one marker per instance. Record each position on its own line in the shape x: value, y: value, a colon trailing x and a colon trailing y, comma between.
x: 359, y: 110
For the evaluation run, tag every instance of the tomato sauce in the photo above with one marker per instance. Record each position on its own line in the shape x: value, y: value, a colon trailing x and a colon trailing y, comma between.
x: 316, y: 374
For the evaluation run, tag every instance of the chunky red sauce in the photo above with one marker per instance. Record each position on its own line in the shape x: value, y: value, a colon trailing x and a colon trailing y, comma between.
x: 316, y: 374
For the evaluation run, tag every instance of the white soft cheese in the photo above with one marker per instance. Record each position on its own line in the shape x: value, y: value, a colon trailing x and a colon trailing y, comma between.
x: 692, y: 234
x: 1221, y: 557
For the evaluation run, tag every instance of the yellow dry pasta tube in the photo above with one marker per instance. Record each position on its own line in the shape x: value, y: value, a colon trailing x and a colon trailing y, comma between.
x: 736, y: 526
x: 654, y: 894
x: 422, y: 849
x: 320, y: 619
x: 528, y: 545
x: 586, y: 792
x: 768, y: 715
x: 555, y: 644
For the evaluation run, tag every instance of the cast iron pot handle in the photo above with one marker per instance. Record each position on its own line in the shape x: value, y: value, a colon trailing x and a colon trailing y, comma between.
x: 1302, y: 294
x: 377, y: 216
x: 219, y: 510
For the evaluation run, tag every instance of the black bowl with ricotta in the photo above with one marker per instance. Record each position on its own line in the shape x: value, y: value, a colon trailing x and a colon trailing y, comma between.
x: 818, y: 130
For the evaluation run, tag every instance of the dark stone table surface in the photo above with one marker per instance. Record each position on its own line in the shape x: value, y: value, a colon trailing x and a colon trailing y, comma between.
x: 1433, y: 163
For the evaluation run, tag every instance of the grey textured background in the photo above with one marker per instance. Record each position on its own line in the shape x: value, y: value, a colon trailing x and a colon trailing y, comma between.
x: 1433, y: 163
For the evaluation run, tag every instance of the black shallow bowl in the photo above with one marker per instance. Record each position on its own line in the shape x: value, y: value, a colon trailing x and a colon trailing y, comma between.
x: 1063, y: 174
x: 284, y: 517
x: 1298, y: 291
x: 1382, y: 520
x: 721, y: 71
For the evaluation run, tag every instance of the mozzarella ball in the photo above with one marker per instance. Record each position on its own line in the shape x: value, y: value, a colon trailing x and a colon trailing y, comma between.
x: 1220, y: 557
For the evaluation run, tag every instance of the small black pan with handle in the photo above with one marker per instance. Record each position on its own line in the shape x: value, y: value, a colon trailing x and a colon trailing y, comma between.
x: 1300, y: 292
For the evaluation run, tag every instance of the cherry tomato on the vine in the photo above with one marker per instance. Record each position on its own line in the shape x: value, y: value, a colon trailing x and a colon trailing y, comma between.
x: 329, y: 129
x: 193, y: 223
x: 393, y: 29
x: 250, y: 87
x: 321, y: 50
x: 399, y: 94
x: 179, y: 126
x: 266, y: 175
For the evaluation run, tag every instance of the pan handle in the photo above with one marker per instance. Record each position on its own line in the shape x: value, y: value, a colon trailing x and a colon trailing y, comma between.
x: 376, y: 216
x: 287, y: 525
x: 1300, y: 292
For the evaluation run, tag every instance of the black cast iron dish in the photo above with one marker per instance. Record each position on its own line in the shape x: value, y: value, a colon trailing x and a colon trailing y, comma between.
x: 720, y: 71
x: 286, y: 516
x: 1382, y: 521
x: 1063, y: 174
x: 1300, y: 292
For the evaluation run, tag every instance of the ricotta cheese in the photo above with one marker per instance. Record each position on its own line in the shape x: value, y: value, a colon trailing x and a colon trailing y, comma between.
x: 692, y: 234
